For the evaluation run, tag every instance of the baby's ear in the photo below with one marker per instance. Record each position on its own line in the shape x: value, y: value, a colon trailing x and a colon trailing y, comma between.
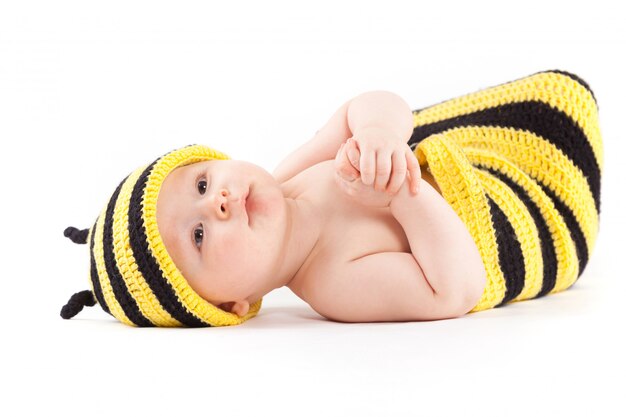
x: 240, y: 308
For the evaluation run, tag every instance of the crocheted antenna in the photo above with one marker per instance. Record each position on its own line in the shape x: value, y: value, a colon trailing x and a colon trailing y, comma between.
x: 76, y: 304
x: 82, y: 298
x: 76, y: 235
x: 132, y: 276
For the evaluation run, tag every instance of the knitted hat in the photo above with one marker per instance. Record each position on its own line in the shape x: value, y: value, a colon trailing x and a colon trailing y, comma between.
x: 132, y: 276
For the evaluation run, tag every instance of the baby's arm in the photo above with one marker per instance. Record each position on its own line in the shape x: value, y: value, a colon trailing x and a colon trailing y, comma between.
x: 441, y: 245
x: 442, y: 278
x: 380, y: 108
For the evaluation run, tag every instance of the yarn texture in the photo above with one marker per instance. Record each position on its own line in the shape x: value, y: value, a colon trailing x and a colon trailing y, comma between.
x: 132, y: 276
x: 521, y: 164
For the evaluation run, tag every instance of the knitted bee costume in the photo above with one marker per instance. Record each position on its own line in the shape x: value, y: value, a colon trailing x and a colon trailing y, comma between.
x: 132, y: 276
x: 521, y: 164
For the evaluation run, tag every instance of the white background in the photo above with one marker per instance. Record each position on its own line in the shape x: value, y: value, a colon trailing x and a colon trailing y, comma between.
x: 90, y: 91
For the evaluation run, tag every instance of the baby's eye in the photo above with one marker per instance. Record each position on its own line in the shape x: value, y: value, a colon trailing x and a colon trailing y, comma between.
x: 198, y: 233
x: 202, y: 186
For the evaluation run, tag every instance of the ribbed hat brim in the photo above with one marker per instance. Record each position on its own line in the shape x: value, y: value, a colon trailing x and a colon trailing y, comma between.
x: 132, y: 275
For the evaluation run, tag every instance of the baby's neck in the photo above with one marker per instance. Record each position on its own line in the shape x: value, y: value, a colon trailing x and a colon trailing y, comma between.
x: 307, y: 219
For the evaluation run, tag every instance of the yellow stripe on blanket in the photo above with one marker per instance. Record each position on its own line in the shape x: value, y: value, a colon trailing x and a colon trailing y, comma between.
x: 521, y: 165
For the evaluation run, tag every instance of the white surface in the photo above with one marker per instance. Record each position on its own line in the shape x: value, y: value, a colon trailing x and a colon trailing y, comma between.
x: 88, y: 93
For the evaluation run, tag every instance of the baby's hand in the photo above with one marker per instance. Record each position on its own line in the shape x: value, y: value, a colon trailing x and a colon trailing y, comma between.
x: 348, y: 177
x: 377, y: 158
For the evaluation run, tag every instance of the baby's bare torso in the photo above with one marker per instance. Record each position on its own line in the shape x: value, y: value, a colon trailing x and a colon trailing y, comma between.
x: 349, y: 229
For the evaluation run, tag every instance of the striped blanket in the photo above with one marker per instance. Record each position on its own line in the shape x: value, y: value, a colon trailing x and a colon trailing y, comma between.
x: 521, y: 164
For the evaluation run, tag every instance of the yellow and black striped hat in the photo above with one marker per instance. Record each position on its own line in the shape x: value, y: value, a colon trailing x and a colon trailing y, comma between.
x: 132, y: 276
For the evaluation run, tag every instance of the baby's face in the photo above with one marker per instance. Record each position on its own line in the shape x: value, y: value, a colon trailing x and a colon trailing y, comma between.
x: 226, y: 252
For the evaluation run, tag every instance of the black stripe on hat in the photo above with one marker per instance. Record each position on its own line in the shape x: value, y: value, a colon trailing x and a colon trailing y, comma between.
x: 95, y: 278
x: 537, y: 117
x: 146, y: 262
x: 126, y: 301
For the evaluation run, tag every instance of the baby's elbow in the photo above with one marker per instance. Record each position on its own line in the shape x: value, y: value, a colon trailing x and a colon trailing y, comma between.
x: 474, y: 293
x: 475, y: 281
x: 464, y: 300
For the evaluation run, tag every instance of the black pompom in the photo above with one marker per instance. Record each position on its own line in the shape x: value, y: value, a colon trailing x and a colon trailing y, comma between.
x: 77, y: 236
x: 76, y: 304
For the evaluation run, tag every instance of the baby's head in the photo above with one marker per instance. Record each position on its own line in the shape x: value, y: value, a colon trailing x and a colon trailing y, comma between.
x: 175, y: 246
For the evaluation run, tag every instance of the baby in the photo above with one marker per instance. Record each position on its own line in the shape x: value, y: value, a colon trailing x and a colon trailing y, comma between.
x: 340, y: 222
x: 507, y: 210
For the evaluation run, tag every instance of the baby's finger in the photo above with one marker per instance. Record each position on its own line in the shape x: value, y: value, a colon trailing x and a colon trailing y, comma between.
x: 383, y: 170
x: 414, y: 169
x: 353, y: 153
x: 346, y: 169
x: 398, y: 173
x: 367, y: 166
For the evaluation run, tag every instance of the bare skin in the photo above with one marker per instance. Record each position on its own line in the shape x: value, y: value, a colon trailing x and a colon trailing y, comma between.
x: 348, y: 230
x: 233, y: 255
x: 347, y: 252
x: 290, y: 232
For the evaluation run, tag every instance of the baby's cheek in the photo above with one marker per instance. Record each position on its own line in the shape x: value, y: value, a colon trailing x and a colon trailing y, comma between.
x: 228, y: 246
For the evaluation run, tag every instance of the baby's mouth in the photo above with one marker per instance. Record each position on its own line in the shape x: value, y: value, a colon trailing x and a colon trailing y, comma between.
x: 246, y: 206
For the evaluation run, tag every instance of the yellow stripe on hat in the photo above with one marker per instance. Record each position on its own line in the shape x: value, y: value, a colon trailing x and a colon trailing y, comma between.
x: 103, y: 277
x: 136, y: 284
x: 91, y: 278
x: 193, y: 302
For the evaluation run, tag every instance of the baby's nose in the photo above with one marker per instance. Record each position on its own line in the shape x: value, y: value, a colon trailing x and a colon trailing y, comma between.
x: 224, y: 205
x: 221, y: 205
